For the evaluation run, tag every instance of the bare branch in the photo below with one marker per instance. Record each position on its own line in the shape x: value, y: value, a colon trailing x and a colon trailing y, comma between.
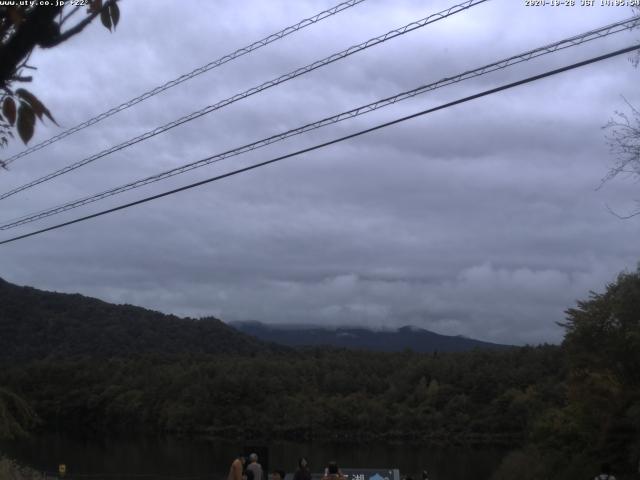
x: 19, y: 78
x: 23, y: 64
x: 623, y: 139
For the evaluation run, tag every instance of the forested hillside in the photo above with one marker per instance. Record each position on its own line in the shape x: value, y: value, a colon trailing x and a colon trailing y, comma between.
x: 35, y: 324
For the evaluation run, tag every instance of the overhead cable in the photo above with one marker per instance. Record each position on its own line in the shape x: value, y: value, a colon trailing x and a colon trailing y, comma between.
x: 331, y: 142
x: 252, y: 91
x: 498, y: 65
x: 188, y: 76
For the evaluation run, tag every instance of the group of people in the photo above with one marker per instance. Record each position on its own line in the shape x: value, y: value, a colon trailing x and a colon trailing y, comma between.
x: 241, y: 470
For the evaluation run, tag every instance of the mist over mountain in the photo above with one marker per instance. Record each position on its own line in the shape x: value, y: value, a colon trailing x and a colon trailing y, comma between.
x: 37, y: 324
x: 359, y: 338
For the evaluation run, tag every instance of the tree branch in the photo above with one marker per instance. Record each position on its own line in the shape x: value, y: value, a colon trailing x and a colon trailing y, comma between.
x: 80, y: 26
x: 68, y: 15
x: 30, y: 33
x: 23, y: 64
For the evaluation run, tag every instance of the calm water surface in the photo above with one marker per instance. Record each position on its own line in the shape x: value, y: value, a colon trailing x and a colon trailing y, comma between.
x: 173, y: 458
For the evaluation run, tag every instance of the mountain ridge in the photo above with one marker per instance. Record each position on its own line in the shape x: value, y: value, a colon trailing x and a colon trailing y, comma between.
x: 361, y: 338
x: 37, y: 324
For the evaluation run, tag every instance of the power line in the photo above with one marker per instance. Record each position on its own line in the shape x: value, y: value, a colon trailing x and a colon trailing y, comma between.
x: 188, y: 76
x: 332, y: 142
x: 252, y: 91
x: 501, y: 64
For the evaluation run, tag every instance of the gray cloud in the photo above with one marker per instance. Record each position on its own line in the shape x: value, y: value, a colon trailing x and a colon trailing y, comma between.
x: 482, y: 220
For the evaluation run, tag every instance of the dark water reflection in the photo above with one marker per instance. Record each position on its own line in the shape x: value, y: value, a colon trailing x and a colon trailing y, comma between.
x: 168, y: 457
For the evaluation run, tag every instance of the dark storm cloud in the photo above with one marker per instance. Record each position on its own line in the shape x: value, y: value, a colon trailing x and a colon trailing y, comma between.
x: 482, y: 220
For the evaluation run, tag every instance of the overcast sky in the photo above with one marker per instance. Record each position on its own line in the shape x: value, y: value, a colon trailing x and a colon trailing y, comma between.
x: 482, y: 220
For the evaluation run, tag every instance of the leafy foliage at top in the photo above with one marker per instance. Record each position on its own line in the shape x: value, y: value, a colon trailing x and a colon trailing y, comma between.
x: 23, y: 27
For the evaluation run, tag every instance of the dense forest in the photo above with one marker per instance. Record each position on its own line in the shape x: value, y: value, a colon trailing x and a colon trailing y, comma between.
x: 337, y: 394
x: 567, y: 408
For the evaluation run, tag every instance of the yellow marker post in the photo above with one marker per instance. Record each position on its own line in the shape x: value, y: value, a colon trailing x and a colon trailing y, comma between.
x: 62, y: 470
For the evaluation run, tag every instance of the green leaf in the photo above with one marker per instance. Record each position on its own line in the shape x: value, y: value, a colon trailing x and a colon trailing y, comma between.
x: 114, y: 10
x: 105, y: 18
x: 9, y: 110
x: 26, y: 122
x: 38, y: 107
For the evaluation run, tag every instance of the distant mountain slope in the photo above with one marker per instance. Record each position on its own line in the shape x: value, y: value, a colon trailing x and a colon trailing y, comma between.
x: 35, y: 324
x: 416, y: 339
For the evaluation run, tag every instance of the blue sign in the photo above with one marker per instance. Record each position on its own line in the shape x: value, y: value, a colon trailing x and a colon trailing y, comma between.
x: 359, y: 474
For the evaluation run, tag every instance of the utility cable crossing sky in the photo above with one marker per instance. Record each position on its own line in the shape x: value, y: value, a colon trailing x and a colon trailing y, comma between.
x: 602, y: 32
x: 252, y: 91
x: 337, y: 140
x: 188, y: 76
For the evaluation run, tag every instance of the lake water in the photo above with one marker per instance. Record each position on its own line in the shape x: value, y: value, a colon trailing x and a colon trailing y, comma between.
x: 176, y: 458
